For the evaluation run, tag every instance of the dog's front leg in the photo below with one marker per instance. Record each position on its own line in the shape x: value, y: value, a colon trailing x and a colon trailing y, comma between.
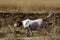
x: 29, y: 31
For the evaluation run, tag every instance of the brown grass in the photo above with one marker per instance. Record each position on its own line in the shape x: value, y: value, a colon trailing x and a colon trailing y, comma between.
x: 30, y: 4
x: 21, y: 36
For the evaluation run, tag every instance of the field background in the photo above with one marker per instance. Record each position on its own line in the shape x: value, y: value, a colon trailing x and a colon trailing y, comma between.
x: 12, y: 11
x: 30, y: 4
x: 7, y: 20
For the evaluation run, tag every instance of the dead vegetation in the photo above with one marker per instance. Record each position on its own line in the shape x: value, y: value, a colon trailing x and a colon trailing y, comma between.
x: 7, y: 19
x: 30, y: 4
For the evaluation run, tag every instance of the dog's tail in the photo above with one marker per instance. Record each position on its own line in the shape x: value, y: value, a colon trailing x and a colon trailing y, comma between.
x: 48, y: 16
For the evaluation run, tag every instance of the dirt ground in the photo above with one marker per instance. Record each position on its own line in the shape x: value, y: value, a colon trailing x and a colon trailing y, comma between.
x: 7, y: 19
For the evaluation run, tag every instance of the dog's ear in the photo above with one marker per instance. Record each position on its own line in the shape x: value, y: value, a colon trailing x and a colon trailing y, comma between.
x: 44, y: 19
x: 20, y: 23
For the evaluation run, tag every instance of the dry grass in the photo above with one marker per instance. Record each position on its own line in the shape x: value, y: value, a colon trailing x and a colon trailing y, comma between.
x: 30, y: 4
x: 21, y: 36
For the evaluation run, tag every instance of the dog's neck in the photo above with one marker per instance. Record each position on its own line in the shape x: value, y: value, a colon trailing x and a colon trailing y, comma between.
x: 25, y: 22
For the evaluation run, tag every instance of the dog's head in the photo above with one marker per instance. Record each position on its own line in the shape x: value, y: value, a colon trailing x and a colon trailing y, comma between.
x: 18, y: 24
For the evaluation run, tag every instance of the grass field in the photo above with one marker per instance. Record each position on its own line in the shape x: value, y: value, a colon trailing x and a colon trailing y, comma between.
x: 17, y: 10
x: 5, y: 32
x: 30, y: 4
